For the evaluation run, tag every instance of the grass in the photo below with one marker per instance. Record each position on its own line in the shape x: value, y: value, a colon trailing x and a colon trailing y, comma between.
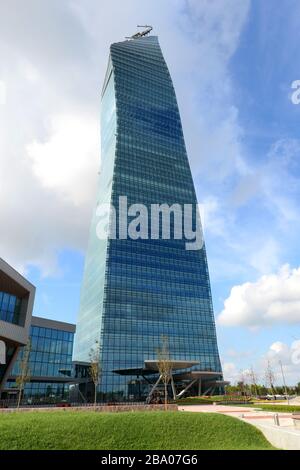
x: 194, y: 401
x: 71, y: 430
x: 209, y: 400
x: 280, y: 408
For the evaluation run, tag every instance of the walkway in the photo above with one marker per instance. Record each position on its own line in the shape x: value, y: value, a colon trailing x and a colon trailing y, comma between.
x: 285, y: 436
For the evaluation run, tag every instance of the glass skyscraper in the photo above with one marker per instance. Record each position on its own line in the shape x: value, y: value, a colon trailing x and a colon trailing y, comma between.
x: 135, y: 291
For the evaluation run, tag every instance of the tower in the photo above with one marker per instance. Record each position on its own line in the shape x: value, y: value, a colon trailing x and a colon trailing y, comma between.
x: 136, y: 290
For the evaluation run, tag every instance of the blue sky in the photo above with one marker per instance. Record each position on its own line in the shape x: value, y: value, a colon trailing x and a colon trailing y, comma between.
x: 233, y: 64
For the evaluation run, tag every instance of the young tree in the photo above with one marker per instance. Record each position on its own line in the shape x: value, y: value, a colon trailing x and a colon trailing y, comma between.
x: 270, y: 377
x: 24, y: 376
x: 241, y: 384
x: 253, y: 380
x: 284, y: 383
x: 164, y: 365
x: 95, y: 368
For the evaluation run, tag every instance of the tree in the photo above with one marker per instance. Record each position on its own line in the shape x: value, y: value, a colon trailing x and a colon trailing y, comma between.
x: 253, y: 380
x: 95, y: 368
x: 270, y: 377
x: 164, y: 365
x: 241, y: 384
x: 24, y: 376
x: 231, y: 389
x: 284, y: 383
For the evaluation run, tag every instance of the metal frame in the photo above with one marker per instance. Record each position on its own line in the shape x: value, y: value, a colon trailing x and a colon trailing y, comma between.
x: 176, y: 395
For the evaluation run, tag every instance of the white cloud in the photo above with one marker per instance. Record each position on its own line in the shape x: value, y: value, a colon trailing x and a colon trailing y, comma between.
x: 230, y: 372
x: 214, y: 134
x: 273, y: 298
x: 54, y: 57
x: 237, y: 250
x: 66, y: 162
x: 2, y: 92
x: 288, y: 355
x: 280, y: 181
x: 265, y: 257
x: 30, y: 72
x: 211, y: 217
x: 233, y: 374
x: 234, y: 353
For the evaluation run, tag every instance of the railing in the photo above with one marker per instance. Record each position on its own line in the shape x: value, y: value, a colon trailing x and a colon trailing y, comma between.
x: 11, y: 403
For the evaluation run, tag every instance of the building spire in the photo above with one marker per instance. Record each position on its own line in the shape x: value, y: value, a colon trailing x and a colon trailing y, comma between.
x: 142, y: 33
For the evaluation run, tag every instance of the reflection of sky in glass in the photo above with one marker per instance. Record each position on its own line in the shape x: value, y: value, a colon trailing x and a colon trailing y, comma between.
x: 135, y: 291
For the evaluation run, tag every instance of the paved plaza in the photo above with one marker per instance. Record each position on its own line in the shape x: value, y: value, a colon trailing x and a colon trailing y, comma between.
x: 278, y: 428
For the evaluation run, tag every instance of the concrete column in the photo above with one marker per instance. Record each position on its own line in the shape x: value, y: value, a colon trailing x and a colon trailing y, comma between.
x: 199, y: 386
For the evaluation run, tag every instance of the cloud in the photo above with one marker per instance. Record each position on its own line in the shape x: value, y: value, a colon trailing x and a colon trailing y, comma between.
x: 66, y: 162
x: 237, y: 249
x: 254, y: 223
x: 289, y: 356
x: 278, y: 352
x: 281, y: 181
x: 214, y: 134
x: 54, y: 57
x: 234, y: 374
x: 272, y: 299
x: 286, y: 354
x: 211, y: 217
x: 230, y: 372
x: 234, y: 353
x: 265, y: 257
x: 2, y: 92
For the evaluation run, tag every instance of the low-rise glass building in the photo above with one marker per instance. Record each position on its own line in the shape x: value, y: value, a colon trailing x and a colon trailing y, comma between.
x: 16, y: 304
x: 50, y: 360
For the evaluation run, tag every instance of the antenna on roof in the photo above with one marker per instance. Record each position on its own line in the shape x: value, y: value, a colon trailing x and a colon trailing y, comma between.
x: 142, y: 33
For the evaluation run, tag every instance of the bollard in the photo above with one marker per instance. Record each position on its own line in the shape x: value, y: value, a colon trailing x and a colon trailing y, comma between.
x: 276, y: 419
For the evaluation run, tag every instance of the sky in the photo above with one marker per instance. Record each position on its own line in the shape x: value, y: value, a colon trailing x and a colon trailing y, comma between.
x: 233, y: 64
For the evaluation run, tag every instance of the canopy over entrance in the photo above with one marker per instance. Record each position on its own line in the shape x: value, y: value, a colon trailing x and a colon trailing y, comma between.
x: 181, y: 380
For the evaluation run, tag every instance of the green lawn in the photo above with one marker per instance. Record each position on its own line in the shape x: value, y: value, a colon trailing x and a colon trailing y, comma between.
x: 279, y: 408
x: 129, y: 430
x: 270, y: 407
x: 207, y: 400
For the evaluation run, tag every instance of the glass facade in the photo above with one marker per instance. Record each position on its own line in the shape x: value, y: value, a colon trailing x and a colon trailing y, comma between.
x: 135, y: 291
x: 10, y: 306
x: 50, y: 363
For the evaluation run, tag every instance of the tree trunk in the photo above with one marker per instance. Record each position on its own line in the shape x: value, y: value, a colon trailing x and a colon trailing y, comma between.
x: 166, y: 397
x: 19, y: 398
x: 95, y: 397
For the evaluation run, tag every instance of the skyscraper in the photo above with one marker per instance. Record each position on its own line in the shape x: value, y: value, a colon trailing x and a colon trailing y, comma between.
x: 136, y: 290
